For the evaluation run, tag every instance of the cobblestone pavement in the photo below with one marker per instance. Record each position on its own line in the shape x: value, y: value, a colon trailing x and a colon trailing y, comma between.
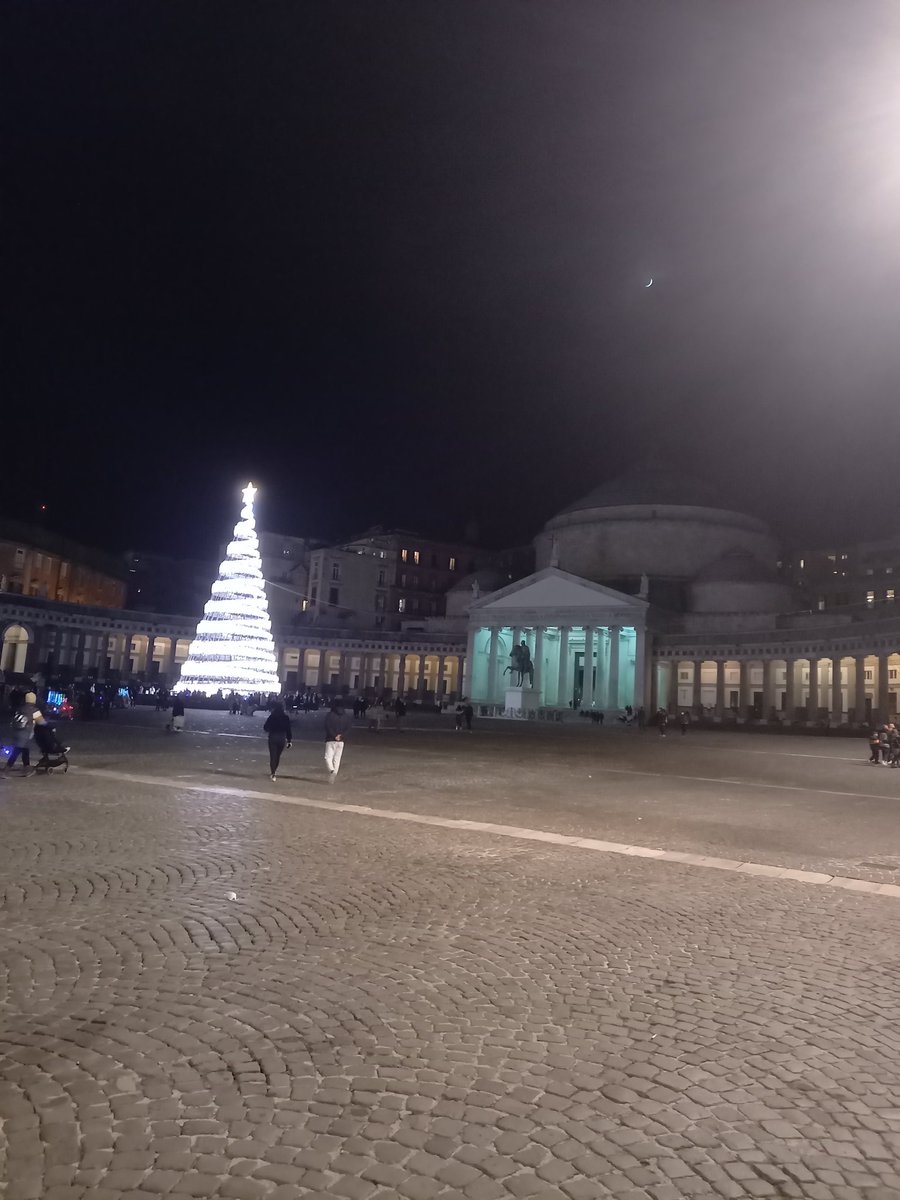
x: 211, y: 995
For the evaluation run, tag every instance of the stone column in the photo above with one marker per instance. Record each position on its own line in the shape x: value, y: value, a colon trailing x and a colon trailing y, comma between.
x: 697, y: 689
x: 745, y: 698
x: 539, y: 661
x: 768, y: 688
x: 324, y: 672
x: 837, y: 694
x: 101, y: 641
x: 587, y: 687
x: 562, y: 692
x: 672, y: 691
x: 440, y: 684
x: 125, y: 667
x: 401, y: 676
x: 884, y: 689
x: 382, y: 668
x: 859, y: 689
x: 492, y: 665
x: 720, y: 689
x: 654, y: 689
x: 468, y: 667
x: 612, y: 687
x: 790, y: 688
x: 169, y: 661
x: 641, y: 660
x: 148, y: 661
x: 812, y: 702
x: 420, y: 680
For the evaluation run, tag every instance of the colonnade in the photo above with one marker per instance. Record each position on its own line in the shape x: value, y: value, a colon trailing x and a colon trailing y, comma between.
x: 575, y: 666
x: 410, y: 670
x: 840, y: 689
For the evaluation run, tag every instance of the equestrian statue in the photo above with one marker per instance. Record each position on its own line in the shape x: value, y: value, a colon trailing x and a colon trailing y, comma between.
x: 521, y: 665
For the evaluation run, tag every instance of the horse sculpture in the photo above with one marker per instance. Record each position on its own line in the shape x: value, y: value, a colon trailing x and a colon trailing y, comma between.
x: 521, y: 665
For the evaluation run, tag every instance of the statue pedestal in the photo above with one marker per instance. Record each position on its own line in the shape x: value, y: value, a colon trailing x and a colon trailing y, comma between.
x: 522, y: 702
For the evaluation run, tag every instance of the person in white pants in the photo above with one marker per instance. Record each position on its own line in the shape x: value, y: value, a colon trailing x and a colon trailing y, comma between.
x: 336, y: 725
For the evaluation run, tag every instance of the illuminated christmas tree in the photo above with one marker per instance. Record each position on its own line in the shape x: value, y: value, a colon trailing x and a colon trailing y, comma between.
x: 233, y: 650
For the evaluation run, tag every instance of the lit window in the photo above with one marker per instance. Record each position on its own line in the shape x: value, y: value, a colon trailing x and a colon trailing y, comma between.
x: 802, y: 563
x: 304, y: 605
x: 870, y: 570
x: 889, y: 594
x: 404, y: 554
x: 870, y: 597
x: 869, y: 675
x: 888, y: 570
x: 892, y: 673
x: 416, y: 557
x: 821, y: 603
x: 452, y: 563
x: 401, y: 605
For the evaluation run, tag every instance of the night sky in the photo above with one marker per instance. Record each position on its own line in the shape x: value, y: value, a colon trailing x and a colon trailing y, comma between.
x: 388, y: 258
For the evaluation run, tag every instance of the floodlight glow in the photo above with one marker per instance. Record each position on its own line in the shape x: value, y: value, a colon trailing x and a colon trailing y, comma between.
x: 233, y: 649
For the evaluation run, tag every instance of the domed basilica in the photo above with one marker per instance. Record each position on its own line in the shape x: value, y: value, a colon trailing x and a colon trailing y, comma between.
x: 652, y: 591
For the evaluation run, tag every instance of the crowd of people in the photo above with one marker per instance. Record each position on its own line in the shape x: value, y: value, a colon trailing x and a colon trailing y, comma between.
x: 884, y: 745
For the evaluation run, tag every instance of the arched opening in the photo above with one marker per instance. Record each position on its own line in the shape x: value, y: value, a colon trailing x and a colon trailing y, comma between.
x: 16, y: 640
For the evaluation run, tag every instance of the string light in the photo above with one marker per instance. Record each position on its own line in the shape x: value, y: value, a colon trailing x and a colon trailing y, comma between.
x: 233, y: 649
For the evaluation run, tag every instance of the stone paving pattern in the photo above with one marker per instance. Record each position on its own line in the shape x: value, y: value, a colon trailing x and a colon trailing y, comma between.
x: 391, y: 1011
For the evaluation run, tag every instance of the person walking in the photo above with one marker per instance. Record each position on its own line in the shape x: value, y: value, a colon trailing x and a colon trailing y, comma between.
x: 884, y: 745
x: 376, y: 715
x: 26, y: 716
x: 176, y: 725
x: 468, y: 714
x: 460, y: 714
x: 336, y: 725
x: 875, y: 747
x: 684, y: 721
x: 662, y: 722
x: 278, y: 727
x: 399, y: 710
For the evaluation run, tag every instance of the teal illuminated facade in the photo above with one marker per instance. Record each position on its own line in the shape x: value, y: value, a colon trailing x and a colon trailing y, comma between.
x: 587, y: 643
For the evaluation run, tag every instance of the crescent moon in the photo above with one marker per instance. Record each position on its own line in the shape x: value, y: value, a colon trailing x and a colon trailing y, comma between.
x: 650, y: 284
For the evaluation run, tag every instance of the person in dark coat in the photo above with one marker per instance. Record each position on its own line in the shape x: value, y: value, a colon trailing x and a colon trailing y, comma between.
x: 25, y: 717
x: 278, y: 727
x: 177, y: 722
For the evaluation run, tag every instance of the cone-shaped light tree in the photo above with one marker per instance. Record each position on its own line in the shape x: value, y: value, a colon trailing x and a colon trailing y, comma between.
x: 233, y: 650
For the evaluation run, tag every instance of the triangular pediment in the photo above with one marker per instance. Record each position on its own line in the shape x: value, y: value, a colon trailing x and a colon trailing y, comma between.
x: 553, y: 589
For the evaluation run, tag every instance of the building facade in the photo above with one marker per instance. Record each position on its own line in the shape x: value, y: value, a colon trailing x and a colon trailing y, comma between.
x: 388, y: 578
x: 651, y: 592
x: 53, y: 639
x: 34, y: 562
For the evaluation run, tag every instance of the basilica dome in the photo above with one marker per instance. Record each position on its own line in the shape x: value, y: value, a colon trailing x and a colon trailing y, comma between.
x: 652, y: 521
x: 738, y: 582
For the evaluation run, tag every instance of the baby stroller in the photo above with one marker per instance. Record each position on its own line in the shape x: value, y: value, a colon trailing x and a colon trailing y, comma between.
x: 53, y: 752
